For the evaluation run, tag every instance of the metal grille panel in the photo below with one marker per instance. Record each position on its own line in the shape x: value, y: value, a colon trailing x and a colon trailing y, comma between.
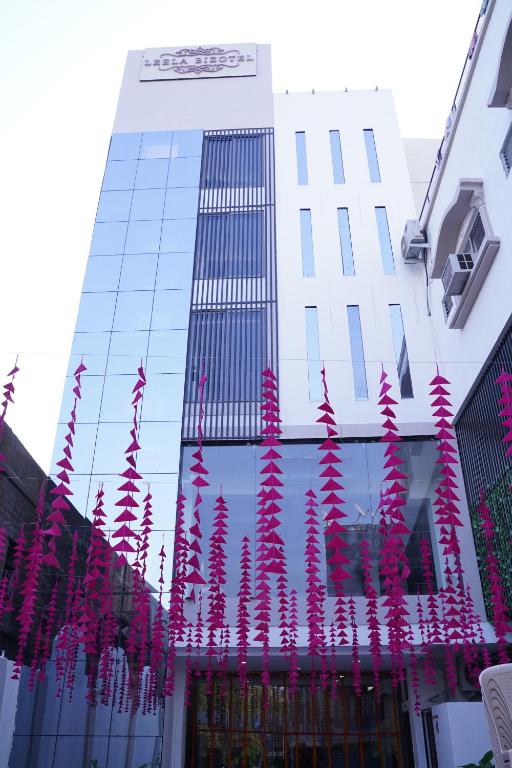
x: 233, y: 329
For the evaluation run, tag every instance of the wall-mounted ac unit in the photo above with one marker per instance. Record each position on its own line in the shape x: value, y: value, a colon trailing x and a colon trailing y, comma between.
x: 456, y: 272
x: 413, y: 242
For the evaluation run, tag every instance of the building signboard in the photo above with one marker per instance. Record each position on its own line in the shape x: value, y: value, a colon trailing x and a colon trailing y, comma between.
x: 200, y: 62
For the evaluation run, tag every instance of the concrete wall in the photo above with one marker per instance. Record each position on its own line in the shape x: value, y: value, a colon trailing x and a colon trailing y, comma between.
x: 474, y: 153
x: 220, y: 102
x: 420, y: 155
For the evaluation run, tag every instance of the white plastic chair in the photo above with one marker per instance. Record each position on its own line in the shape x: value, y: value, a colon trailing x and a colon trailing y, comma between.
x: 496, y: 685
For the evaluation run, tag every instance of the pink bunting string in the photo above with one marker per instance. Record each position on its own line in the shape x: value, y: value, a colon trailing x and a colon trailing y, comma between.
x: 504, y: 381
x: 176, y: 629
x: 372, y: 615
x: 198, y: 636
x: 315, y: 603
x: 194, y: 576
x: 89, y: 618
x: 187, y: 698
x: 20, y: 565
x: 29, y: 588
x: 128, y: 502
x: 447, y: 515
x: 270, y: 557
x: 49, y: 629
x: 216, y: 581
x: 293, y: 670
x: 415, y: 681
x: 67, y: 638
x: 108, y: 629
x: 394, y: 563
x: 433, y: 618
x: 332, y: 644
x: 500, y: 621
x: 62, y: 491
x: 334, y: 532
x: 242, y: 615
x: 7, y: 398
x: 356, y: 661
x: 157, y: 641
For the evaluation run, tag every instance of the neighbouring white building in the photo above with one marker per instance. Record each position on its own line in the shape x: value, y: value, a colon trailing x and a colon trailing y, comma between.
x: 237, y: 230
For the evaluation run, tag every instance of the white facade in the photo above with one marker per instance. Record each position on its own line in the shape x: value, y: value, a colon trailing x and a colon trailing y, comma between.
x: 472, y: 152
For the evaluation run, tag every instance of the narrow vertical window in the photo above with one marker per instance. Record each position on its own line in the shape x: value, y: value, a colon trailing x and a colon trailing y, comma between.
x: 402, y: 357
x: 347, y: 258
x: 357, y: 351
x: 337, y: 158
x: 306, y: 234
x: 371, y: 154
x: 302, y: 160
x: 313, y: 354
x: 386, y: 249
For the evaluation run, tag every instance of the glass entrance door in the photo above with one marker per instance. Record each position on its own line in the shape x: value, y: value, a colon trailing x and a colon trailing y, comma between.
x: 331, y: 728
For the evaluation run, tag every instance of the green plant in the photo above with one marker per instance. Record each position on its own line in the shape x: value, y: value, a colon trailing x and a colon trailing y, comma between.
x: 485, y: 762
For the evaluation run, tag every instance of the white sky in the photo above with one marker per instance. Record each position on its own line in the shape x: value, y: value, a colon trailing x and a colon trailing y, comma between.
x: 61, y: 72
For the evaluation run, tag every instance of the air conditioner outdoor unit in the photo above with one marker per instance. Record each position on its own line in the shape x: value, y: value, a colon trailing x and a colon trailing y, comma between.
x: 456, y: 272
x: 413, y: 241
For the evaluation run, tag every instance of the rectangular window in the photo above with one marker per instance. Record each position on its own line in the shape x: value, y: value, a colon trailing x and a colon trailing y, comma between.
x: 306, y: 234
x: 302, y: 160
x: 506, y: 152
x: 233, y: 161
x: 337, y: 158
x: 371, y: 154
x: 347, y: 257
x: 475, y: 238
x: 230, y: 245
x: 401, y: 355
x: 357, y: 351
x: 313, y: 354
x: 386, y: 250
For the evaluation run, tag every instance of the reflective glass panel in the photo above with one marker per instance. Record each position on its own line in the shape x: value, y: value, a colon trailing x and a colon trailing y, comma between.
x: 124, y: 146
x: 385, y: 241
x: 138, y: 272
x: 171, y: 309
x: 114, y: 206
x: 336, y: 157
x: 175, y: 270
x: 313, y: 354
x: 120, y: 174
x: 108, y: 238
x: 184, y: 172
x: 163, y: 397
x: 96, y: 312
x: 88, y: 407
x: 187, y: 143
x: 127, y: 349
x: 357, y: 352
x: 401, y: 354
x: 93, y: 347
x: 133, y: 311
x: 160, y: 443
x: 151, y: 174
x: 347, y: 257
x: 102, y: 273
x: 167, y: 351
x: 302, y: 162
x: 181, y: 203
x: 116, y: 404
x: 306, y: 234
x: 156, y: 144
x: 111, y: 444
x: 371, y: 154
x: 147, y: 204
x: 178, y: 235
x: 143, y: 236
x: 83, y: 449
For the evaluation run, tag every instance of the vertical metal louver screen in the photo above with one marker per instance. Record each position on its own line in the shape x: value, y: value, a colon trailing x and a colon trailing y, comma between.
x: 485, y: 466
x: 233, y: 333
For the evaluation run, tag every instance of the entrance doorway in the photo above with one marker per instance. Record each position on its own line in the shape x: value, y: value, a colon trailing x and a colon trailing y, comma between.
x: 326, y: 729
